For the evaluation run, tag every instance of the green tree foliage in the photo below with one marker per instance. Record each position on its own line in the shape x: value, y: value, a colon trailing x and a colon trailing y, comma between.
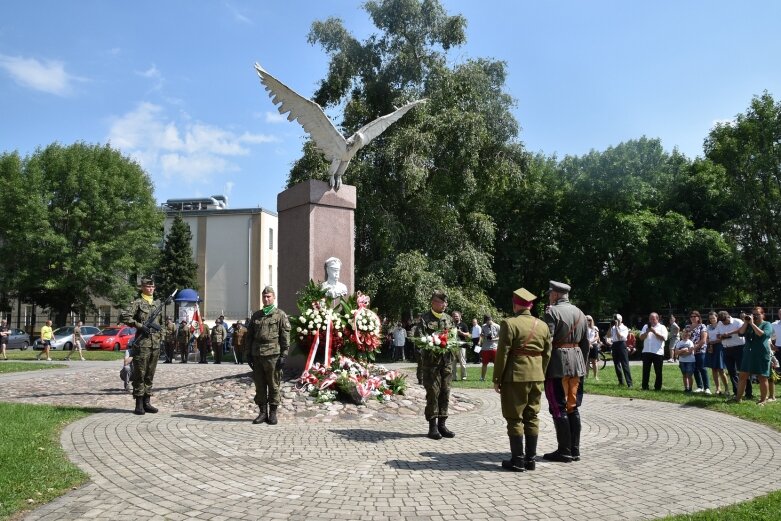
x: 76, y: 222
x: 177, y: 269
x: 749, y: 151
x: 425, y: 185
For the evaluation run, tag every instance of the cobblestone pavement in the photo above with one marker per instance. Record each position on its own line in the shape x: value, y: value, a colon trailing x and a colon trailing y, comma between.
x: 180, y: 464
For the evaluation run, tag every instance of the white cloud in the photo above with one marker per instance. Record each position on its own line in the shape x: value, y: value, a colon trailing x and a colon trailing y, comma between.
x: 151, y: 72
x: 238, y: 15
x: 179, y: 151
x: 275, y: 117
x: 46, y: 76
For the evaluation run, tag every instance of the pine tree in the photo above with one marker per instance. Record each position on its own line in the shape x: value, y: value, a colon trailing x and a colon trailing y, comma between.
x: 177, y: 268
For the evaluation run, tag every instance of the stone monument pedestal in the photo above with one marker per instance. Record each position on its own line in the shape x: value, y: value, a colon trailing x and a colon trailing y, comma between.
x: 315, y: 223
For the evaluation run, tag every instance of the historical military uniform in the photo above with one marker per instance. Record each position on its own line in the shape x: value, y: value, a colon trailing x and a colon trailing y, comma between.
x: 218, y: 341
x: 146, y: 349
x: 203, y: 343
x: 564, y: 376
x: 183, y: 341
x: 267, y: 344
x: 239, y: 335
x: 522, y: 356
x: 435, y: 370
x: 170, y: 341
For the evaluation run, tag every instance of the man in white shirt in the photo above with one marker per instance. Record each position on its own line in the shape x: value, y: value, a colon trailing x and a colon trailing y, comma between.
x: 399, y: 335
x: 733, y: 349
x: 476, y: 330
x: 654, y: 336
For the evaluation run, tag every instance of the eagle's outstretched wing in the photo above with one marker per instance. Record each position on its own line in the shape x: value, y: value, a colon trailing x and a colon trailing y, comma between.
x: 378, y: 126
x: 309, y: 114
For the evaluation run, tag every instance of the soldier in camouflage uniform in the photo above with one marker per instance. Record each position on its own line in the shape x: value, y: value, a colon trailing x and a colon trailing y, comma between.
x: 183, y: 340
x: 146, y: 349
x: 170, y: 340
x: 267, y: 344
x: 436, y: 368
x: 522, y: 356
x: 564, y: 376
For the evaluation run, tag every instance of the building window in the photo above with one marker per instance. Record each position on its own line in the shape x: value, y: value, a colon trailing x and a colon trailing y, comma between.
x: 104, y: 315
x: 271, y: 238
x: 270, y: 275
x: 28, y: 315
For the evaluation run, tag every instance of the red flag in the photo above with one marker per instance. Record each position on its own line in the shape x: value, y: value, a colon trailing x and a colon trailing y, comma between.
x: 197, y: 318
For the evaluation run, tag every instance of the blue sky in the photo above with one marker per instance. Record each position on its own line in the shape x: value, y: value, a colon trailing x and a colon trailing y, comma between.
x: 171, y: 82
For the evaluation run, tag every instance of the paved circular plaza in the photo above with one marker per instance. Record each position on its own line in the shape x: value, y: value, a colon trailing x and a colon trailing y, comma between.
x: 178, y: 465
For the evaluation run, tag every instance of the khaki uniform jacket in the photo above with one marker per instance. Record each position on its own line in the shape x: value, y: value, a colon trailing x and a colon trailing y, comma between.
x: 567, y: 325
x: 183, y: 337
x: 170, y: 333
x: 218, y: 334
x: 239, y: 336
x: 267, y: 335
x: 513, y: 332
x: 136, y: 315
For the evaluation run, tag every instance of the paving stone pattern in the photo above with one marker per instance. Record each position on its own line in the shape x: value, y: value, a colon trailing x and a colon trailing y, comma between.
x: 370, y: 465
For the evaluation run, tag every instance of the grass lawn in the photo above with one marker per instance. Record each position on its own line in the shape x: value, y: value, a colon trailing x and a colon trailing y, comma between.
x: 15, y: 367
x: 33, y: 467
x: 58, y: 356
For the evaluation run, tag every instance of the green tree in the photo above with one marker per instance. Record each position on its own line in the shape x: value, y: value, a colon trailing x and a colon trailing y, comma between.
x: 749, y: 151
x: 177, y: 269
x: 425, y: 185
x: 79, y: 222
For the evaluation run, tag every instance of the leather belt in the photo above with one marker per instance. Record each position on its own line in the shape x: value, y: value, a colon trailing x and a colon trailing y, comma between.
x: 566, y: 346
x: 519, y: 351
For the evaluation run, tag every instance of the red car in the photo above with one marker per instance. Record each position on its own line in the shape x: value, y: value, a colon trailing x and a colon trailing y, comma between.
x: 114, y: 338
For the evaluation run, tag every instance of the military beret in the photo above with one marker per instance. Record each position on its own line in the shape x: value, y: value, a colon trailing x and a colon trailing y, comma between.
x: 558, y: 287
x: 438, y: 293
x: 269, y: 289
x: 147, y: 281
x: 524, y: 294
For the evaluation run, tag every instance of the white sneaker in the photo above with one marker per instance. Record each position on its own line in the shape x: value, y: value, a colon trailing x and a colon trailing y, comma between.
x: 707, y: 391
x: 48, y: 359
x: 698, y: 390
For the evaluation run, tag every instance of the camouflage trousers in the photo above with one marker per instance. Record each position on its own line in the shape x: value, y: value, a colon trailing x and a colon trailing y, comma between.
x: 144, y: 367
x: 436, y: 371
x: 266, y: 377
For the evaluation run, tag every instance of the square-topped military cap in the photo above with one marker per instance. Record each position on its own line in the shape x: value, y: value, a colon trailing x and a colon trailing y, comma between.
x: 558, y: 287
x: 524, y: 294
x: 438, y: 293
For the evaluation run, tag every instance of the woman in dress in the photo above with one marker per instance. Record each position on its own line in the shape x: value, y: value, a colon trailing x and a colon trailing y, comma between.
x: 756, y: 354
x: 594, y: 343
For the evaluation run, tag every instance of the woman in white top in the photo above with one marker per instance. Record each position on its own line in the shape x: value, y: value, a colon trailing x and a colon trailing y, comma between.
x: 594, y: 343
x: 616, y: 338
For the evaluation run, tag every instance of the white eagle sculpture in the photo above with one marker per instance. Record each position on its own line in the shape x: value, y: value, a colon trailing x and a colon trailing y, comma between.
x: 328, y: 140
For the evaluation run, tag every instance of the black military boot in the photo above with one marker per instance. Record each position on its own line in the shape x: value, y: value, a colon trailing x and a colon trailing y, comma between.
x: 574, y: 432
x: 433, y: 431
x: 272, y: 414
x: 263, y: 416
x: 148, y: 406
x: 515, y: 463
x: 561, y: 454
x: 139, y: 406
x: 442, y: 428
x: 531, y: 452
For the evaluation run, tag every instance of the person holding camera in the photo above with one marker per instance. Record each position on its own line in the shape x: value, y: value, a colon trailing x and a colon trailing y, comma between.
x: 616, y: 339
x: 756, y: 356
x: 654, y: 335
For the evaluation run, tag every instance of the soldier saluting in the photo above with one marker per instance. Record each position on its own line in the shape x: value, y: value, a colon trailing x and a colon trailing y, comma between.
x: 146, y: 349
x: 519, y: 372
x: 564, y: 376
x: 267, y: 345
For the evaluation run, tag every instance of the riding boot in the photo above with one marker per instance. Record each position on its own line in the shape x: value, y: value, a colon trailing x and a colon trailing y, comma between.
x: 263, y: 416
x: 442, y: 428
x: 515, y: 463
x: 148, y: 406
x: 433, y: 431
x: 531, y: 452
x: 272, y: 414
x: 139, y: 406
x: 574, y: 431
x: 562, y: 453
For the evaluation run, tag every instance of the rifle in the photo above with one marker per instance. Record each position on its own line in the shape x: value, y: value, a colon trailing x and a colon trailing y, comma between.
x: 150, y: 325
